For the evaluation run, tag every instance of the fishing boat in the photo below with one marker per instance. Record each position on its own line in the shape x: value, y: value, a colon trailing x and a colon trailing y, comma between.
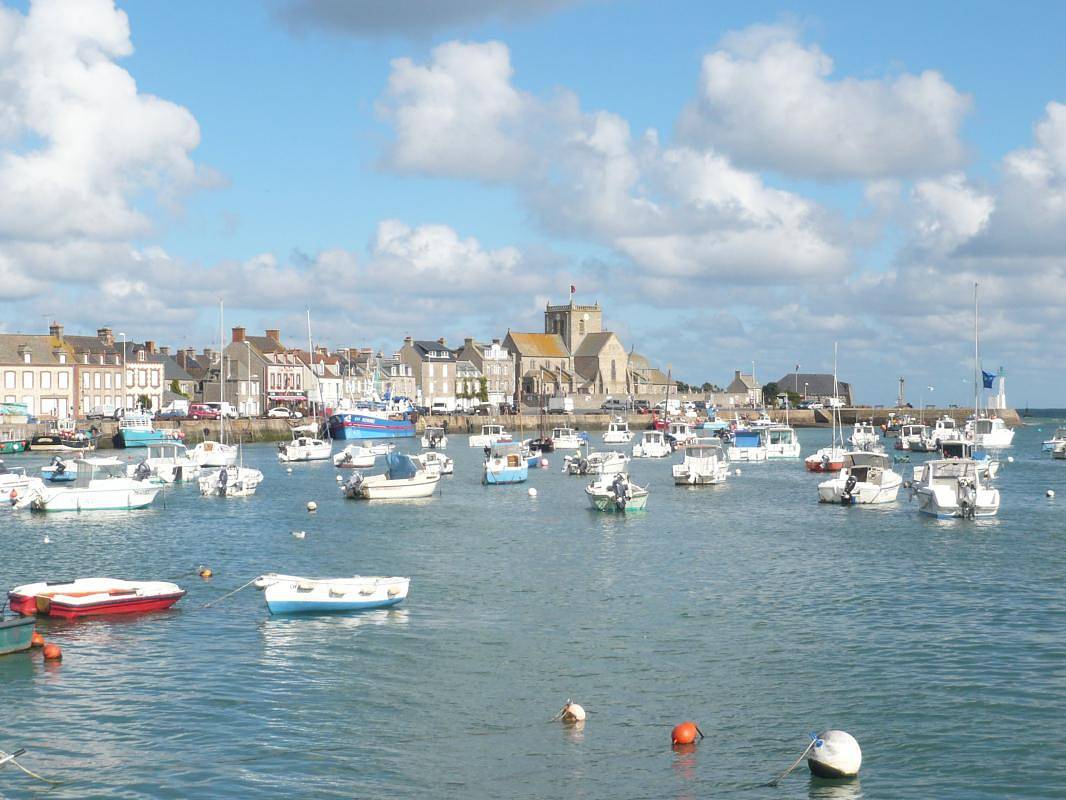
x: 782, y: 442
x: 618, y: 432
x: 230, y: 481
x: 505, y: 463
x: 11, y: 443
x: 93, y: 596
x: 985, y: 429
x: 749, y: 444
x: 490, y: 435
x: 209, y: 453
x: 14, y: 482
x: 863, y: 435
x: 403, y: 479
x: 945, y: 429
x: 62, y: 436
x: 705, y: 464
x: 568, y: 439
x: 101, y: 485
x: 434, y: 438
x: 354, y: 456
x: 909, y: 432
x: 987, y: 467
x: 990, y: 431
x: 605, y: 462
x: 652, y: 444
x: 435, y: 461
x: 950, y: 488
x: 370, y: 423
x: 1058, y: 438
x: 681, y: 432
x: 305, y: 445
x: 865, y: 478
x: 616, y: 493
x: 168, y: 461
x: 135, y: 429
x: 16, y: 634
x: 291, y: 594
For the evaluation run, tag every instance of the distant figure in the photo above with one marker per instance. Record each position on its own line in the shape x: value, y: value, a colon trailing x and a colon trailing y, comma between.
x: 445, y: 425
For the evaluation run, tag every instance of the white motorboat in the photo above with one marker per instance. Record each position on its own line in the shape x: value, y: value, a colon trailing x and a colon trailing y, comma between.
x: 13, y: 482
x: 506, y: 462
x: 1054, y: 441
x: 865, y: 478
x: 490, y: 434
x: 618, y: 433
x: 230, y: 481
x: 863, y: 435
x: 380, y: 448
x: 167, y: 461
x: 748, y: 445
x: 210, y: 453
x: 990, y: 432
x: 616, y: 493
x: 782, y: 442
x: 945, y: 430
x: 954, y: 488
x: 761, y: 422
x: 436, y: 461
x: 605, y: 462
x: 987, y: 467
x: 682, y: 433
x: 567, y: 439
x: 355, y: 456
x: 101, y: 485
x: 434, y: 438
x: 705, y: 464
x: 403, y: 479
x: 1059, y: 451
x: 909, y: 433
x: 291, y: 594
x: 652, y: 444
x: 305, y: 446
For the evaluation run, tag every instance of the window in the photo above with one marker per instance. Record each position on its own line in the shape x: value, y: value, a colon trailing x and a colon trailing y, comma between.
x: 27, y: 380
x: 142, y: 378
x: 46, y: 380
x: 129, y: 377
x: 62, y: 358
x: 581, y: 327
x: 86, y: 381
x: 431, y: 370
x: 118, y: 380
x: 26, y: 358
x: 98, y: 380
x: 64, y: 380
x: 27, y: 400
x: 9, y: 382
x: 614, y: 375
x: 155, y: 379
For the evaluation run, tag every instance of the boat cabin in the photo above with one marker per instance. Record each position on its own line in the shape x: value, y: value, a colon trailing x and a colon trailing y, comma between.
x: 562, y: 433
x: 946, y: 423
x: 490, y: 430
x: 97, y: 469
x: 865, y: 428
x: 618, y: 426
x: 705, y: 448
x: 948, y: 472
x: 907, y: 431
x: 867, y: 467
x: 653, y: 438
x: 166, y: 451
x: 747, y: 439
x: 432, y: 433
x: 956, y: 449
x: 508, y: 452
x: 680, y: 430
x: 984, y: 427
x: 780, y: 435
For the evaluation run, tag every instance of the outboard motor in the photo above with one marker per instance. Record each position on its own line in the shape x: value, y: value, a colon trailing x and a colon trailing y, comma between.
x: 846, y: 497
x: 223, y: 480
x: 143, y: 472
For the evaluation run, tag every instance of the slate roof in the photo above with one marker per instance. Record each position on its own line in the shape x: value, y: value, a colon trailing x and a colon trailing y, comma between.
x: 41, y: 348
x: 593, y: 343
x: 819, y: 384
x: 424, y: 348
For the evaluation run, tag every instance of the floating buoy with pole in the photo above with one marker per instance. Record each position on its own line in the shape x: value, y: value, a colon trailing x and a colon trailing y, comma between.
x: 830, y: 754
x: 570, y: 714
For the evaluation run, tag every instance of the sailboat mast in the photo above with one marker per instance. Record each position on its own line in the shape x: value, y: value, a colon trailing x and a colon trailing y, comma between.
x: 976, y: 358
x: 311, y: 356
x: 835, y: 419
x: 221, y: 374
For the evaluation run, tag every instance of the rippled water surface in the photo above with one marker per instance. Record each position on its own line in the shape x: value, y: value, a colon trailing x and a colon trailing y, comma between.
x: 747, y: 607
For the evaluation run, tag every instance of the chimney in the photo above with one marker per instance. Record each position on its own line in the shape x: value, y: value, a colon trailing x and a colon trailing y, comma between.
x: 209, y: 355
x: 238, y: 333
x: 468, y: 343
x: 105, y: 336
x: 149, y: 345
x: 274, y: 333
x: 440, y: 341
x: 56, y: 331
x: 406, y: 340
x: 164, y: 350
x: 736, y: 374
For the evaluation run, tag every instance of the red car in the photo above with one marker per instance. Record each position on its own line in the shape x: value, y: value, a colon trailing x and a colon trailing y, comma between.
x: 200, y: 411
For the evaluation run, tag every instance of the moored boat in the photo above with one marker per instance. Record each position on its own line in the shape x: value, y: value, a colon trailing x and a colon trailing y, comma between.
x: 865, y: 478
x: 490, y: 435
x: 209, y: 453
x: 16, y: 634
x: 354, y: 456
x: 618, y: 432
x: 11, y: 443
x: 135, y: 429
x: 370, y: 424
x: 291, y: 594
x: 169, y: 462
x: 230, y: 481
x: 568, y: 439
x: 505, y: 463
x: 705, y: 464
x: 616, y: 493
x: 748, y: 445
x: 954, y: 488
x: 101, y: 485
x: 14, y: 482
x: 435, y: 461
x: 92, y: 596
x: 403, y: 479
x: 434, y: 438
x: 62, y: 436
x: 305, y: 446
x: 605, y: 462
x: 652, y: 444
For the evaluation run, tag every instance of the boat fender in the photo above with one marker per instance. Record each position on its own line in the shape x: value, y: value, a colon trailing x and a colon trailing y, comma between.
x: 835, y: 754
x: 205, y: 572
x: 532, y: 491
x: 1050, y: 492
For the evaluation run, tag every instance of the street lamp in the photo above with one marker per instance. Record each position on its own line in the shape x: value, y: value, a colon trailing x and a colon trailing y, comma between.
x: 805, y: 385
x: 125, y: 376
x: 248, y: 346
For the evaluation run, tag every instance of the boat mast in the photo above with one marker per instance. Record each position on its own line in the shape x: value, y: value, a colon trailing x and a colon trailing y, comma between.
x: 835, y: 418
x: 976, y: 360
x: 311, y: 356
x: 221, y: 375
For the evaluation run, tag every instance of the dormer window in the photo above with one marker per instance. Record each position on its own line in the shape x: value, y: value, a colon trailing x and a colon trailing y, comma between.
x: 101, y: 359
x: 26, y: 358
x: 62, y: 358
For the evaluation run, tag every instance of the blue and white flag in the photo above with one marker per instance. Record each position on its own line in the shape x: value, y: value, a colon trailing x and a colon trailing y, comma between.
x: 987, y: 378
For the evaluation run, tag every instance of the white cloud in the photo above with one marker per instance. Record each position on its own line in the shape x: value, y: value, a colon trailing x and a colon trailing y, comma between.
x: 949, y: 211
x: 768, y: 101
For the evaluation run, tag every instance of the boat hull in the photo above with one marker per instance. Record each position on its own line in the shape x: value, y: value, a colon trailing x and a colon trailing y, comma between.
x: 493, y: 477
x: 944, y: 504
x: 862, y: 494
x: 751, y: 454
x: 127, y: 437
x: 378, y: 487
x: 124, y: 499
x: 607, y: 504
x: 365, y: 426
x: 11, y: 446
x: 291, y: 595
x: 96, y: 597
x: 16, y: 634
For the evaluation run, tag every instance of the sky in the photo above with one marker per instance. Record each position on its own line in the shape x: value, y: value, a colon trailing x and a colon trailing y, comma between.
x: 734, y: 183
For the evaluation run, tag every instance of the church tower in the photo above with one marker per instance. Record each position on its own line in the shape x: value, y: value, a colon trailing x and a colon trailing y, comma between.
x: 573, y: 322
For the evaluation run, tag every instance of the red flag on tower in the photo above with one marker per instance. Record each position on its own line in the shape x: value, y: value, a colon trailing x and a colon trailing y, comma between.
x: 573, y: 289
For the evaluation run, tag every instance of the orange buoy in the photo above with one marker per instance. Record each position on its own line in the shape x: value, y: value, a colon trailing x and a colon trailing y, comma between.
x: 685, y: 733
x: 36, y: 640
x: 205, y: 573
x: 52, y: 652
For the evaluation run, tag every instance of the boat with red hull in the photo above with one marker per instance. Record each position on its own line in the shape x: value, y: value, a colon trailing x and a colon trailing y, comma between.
x: 93, y: 596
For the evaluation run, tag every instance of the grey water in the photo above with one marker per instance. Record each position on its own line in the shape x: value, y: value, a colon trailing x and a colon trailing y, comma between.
x: 747, y: 607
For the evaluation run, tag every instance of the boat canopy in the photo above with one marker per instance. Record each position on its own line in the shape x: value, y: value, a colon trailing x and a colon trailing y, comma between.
x: 781, y: 435
x: 653, y: 436
x: 747, y: 438
x: 559, y: 433
x: 958, y: 449
x: 864, y: 459
x: 491, y: 430
x: 501, y: 449
x: 705, y: 450
x: 400, y: 466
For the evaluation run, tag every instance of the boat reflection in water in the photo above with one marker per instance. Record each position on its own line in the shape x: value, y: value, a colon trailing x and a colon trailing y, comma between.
x: 285, y: 637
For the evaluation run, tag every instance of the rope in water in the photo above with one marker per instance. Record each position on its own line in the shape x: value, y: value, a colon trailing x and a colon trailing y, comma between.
x: 230, y: 594
x: 803, y: 755
x: 10, y: 758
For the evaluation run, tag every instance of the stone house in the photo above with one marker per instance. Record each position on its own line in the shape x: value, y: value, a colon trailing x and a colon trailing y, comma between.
x: 98, y: 373
x: 815, y: 387
x: 433, y: 366
x: 497, y: 366
x: 542, y: 365
x: 602, y: 364
x: 38, y: 371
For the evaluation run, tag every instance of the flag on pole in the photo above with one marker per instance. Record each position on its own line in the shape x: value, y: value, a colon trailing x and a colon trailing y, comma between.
x: 573, y: 289
x: 987, y: 378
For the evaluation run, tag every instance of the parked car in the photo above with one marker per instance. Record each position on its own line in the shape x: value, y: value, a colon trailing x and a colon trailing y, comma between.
x: 104, y: 412
x: 611, y: 405
x: 486, y: 410
x: 202, y: 411
x: 642, y: 407
x: 173, y: 413
x: 281, y: 412
x: 223, y: 408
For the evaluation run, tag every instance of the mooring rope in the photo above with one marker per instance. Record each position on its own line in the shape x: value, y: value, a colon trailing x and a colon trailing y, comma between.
x: 803, y: 755
x: 10, y: 758
x: 230, y: 594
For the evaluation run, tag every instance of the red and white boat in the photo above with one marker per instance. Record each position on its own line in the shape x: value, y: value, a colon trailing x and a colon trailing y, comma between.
x: 828, y: 459
x: 88, y: 596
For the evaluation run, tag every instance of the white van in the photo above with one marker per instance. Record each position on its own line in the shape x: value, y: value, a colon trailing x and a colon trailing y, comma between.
x: 561, y: 405
x: 223, y: 408
x: 106, y: 411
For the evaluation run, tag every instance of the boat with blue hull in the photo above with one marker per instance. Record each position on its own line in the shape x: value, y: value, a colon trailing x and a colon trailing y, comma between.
x: 16, y: 634
x: 291, y: 594
x: 368, y: 426
x: 505, y: 463
x: 136, y: 430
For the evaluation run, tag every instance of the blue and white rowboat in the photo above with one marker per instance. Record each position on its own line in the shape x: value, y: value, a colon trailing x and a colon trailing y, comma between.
x: 291, y: 594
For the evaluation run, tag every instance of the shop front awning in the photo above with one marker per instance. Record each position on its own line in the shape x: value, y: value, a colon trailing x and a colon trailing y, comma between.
x: 287, y: 398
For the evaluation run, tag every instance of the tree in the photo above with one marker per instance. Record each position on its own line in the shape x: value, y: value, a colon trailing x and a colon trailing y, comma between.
x: 769, y: 393
x: 483, y: 389
x: 144, y: 401
x: 175, y: 387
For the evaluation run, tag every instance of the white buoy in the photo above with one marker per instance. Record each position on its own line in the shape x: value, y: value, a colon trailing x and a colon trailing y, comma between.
x: 339, y: 479
x: 835, y: 754
x: 571, y: 713
x: 1050, y: 492
x: 288, y: 469
x: 1010, y: 459
x: 532, y: 491
x: 47, y: 540
x: 544, y: 462
x: 738, y: 472
x: 299, y: 534
x: 312, y: 506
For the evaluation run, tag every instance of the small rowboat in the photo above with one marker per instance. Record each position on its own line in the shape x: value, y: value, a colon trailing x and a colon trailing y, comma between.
x: 88, y: 596
x: 16, y: 634
x: 290, y: 594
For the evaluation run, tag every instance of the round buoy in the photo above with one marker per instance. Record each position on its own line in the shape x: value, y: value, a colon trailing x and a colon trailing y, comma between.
x: 205, y: 573
x: 1050, y: 492
x: 339, y: 479
x: 544, y: 462
x: 738, y: 472
x: 835, y: 754
x: 685, y: 733
x: 532, y: 491
x: 312, y: 506
x: 46, y: 540
x: 36, y: 640
x: 299, y: 534
x: 572, y: 712
x: 288, y: 469
x: 52, y: 652
x: 1010, y: 459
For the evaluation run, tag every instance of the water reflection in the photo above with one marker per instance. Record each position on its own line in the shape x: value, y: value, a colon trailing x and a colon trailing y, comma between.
x: 822, y: 789
x: 285, y: 632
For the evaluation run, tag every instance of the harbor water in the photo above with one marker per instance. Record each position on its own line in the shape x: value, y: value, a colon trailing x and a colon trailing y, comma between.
x: 747, y: 607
